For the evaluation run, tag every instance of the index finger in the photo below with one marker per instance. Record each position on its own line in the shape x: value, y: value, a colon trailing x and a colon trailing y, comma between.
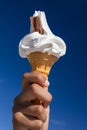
x: 34, y: 77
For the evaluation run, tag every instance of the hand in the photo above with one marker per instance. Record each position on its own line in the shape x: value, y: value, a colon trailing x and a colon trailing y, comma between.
x: 28, y: 115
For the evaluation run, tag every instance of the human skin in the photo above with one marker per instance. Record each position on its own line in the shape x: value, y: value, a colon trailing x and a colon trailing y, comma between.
x: 28, y: 115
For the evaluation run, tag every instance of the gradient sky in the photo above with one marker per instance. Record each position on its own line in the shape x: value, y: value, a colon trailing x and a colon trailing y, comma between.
x: 68, y: 77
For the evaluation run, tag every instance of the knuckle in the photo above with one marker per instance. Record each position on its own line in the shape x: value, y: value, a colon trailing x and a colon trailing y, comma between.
x: 16, y: 116
x: 24, y: 75
x: 40, y: 109
x: 33, y: 87
x: 41, y: 113
x: 39, y: 76
x: 38, y: 125
x: 49, y: 99
x: 35, y: 125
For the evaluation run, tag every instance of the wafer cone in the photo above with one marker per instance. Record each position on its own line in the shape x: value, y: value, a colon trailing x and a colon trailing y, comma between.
x: 41, y: 62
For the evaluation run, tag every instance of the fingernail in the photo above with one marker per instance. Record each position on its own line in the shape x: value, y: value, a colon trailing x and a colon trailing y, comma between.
x: 47, y: 82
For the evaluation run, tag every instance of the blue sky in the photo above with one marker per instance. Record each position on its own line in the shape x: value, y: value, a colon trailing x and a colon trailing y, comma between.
x: 68, y: 77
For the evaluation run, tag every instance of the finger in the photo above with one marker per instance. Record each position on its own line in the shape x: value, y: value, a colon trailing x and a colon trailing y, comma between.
x: 34, y: 77
x: 33, y: 92
x: 25, y: 96
x: 36, y: 111
x: 42, y: 94
x: 23, y: 121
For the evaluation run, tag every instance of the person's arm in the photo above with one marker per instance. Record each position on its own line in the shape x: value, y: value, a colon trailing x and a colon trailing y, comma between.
x: 26, y: 114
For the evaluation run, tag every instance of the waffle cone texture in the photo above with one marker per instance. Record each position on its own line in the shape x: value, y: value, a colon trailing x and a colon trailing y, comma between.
x: 41, y: 62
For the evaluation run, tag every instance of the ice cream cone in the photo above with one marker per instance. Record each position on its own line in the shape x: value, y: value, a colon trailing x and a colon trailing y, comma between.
x: 41, y: 47
x: 41, y: 62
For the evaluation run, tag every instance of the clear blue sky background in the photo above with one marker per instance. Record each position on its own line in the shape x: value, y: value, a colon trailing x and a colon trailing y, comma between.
x: 68, y: 77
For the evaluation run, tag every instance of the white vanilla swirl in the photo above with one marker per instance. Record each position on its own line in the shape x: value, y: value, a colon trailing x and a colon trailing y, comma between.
x: 46, y: 42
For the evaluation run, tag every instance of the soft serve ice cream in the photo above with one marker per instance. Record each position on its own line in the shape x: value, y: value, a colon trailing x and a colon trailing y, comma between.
x: 46, y: 42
